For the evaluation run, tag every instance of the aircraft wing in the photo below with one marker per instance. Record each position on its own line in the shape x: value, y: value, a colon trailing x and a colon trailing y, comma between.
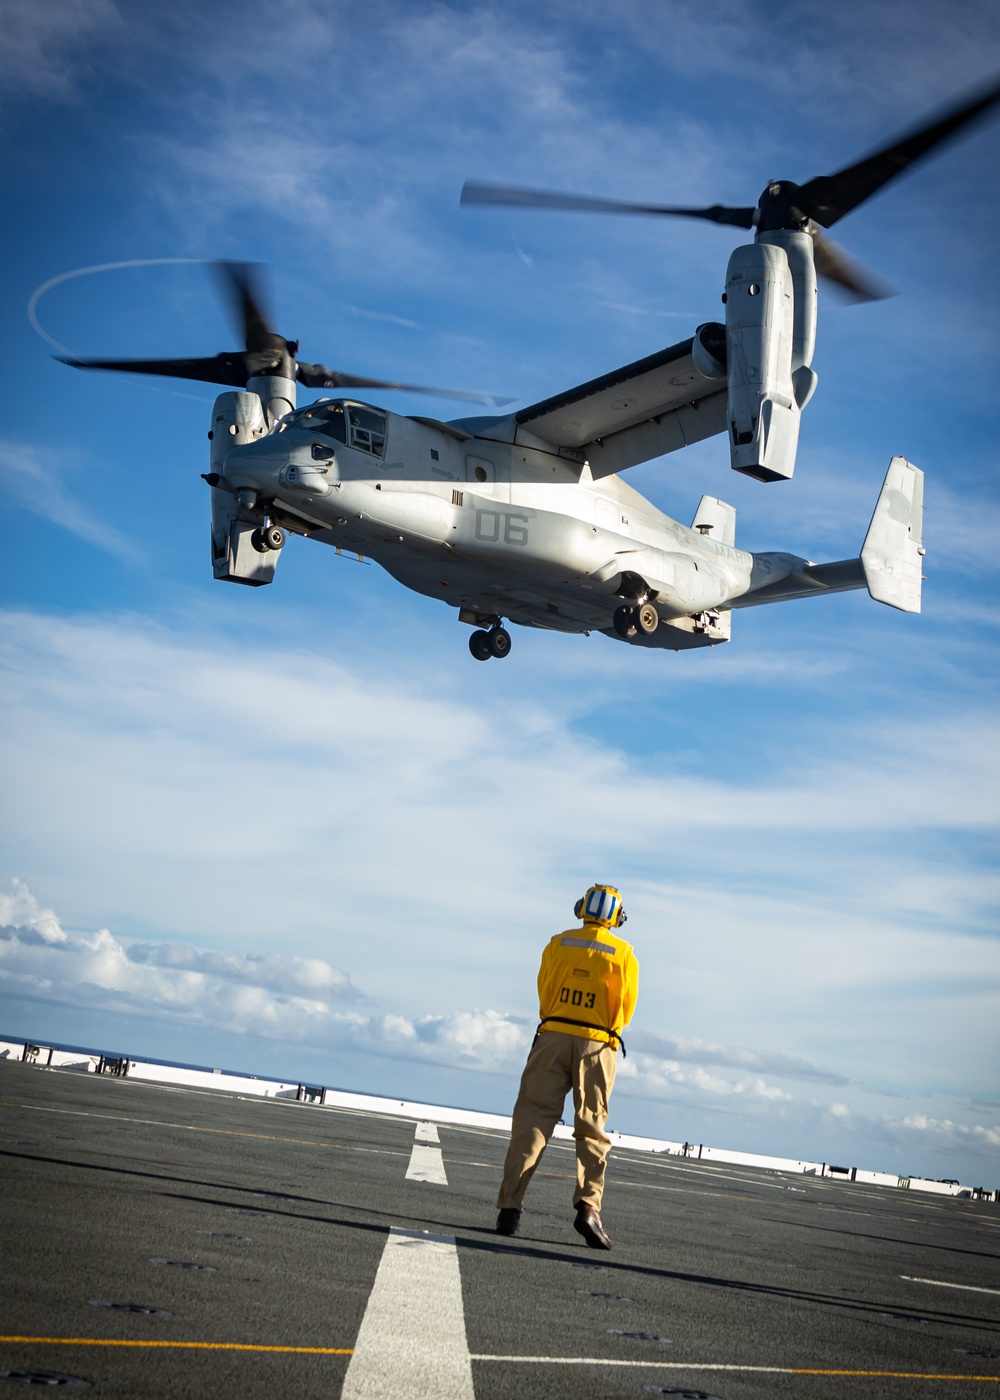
x: 643, y: 410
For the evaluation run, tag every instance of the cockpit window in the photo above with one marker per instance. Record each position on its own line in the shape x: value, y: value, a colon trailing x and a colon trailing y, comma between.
x: 367, y: 428
x: 323, y: 417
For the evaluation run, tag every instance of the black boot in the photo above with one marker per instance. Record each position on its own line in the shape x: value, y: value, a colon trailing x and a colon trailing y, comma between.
x: 508, y: 1221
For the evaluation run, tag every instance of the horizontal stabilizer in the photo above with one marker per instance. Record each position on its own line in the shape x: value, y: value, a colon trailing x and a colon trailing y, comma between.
x: 890, y: 562
x: 892, y: 554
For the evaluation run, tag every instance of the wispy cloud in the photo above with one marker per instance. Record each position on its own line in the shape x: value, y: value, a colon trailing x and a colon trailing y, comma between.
x: 692, y: 316
x: 386, y: 316
x: 47, y: 48
x: 702, y: 1052
x: 32, y: 476
x: 269, y: 971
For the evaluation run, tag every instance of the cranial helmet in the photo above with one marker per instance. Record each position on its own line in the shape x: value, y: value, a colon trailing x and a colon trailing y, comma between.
x: 602, y: 904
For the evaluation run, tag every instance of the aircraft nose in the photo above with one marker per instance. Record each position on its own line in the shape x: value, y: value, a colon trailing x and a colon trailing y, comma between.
x: 254, y: 464
x: 289, y: 463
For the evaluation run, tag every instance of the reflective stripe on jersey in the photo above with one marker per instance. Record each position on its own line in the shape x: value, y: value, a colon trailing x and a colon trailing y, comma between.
x: 587, y: 943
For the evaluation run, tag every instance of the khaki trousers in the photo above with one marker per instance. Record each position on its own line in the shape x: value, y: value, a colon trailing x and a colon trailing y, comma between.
x: 556, y: 1064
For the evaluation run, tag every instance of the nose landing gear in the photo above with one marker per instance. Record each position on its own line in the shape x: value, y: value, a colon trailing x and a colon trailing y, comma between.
x: 495, y: 642
x: 268, y: 537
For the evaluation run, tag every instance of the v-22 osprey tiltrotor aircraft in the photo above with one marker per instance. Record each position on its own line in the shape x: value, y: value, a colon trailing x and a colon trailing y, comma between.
x: 523, y: 516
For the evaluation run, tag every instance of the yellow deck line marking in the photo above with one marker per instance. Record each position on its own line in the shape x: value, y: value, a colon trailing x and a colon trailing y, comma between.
x: 727, y: 1366
x: 193, y: 1346
x: 517, y: 1360
x: 896, y: 1375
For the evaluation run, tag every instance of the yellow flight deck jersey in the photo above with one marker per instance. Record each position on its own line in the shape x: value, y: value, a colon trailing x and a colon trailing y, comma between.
x: 589, y: 976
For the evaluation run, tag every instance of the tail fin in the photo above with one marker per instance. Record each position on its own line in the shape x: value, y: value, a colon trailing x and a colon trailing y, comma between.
x: 716, y: 520
x: 892, y: 554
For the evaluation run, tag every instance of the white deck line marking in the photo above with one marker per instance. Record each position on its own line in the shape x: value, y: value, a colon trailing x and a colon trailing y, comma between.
x: 412, y: 1339
x: 197, y: 1128
x: 716, y: 1174
x: 732, y: 1367
x: 426, y: 1164
x: 658, y: 1365
x: 940, y: 1283
x: 426, y: 1132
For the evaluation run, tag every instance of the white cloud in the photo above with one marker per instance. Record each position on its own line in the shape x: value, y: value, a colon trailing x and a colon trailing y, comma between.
x: 271, y: 971
x: 952, y: 1132
x: 654, y: 1078
x: 289, y: 999
x: 20, y: 907
x: 41, y: 960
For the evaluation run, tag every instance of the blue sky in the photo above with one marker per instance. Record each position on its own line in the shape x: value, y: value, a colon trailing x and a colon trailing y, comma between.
x: 298, y: 830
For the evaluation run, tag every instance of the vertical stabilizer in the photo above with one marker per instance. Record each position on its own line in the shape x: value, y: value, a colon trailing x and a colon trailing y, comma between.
x: 892, y: 554
x: 716, y: 520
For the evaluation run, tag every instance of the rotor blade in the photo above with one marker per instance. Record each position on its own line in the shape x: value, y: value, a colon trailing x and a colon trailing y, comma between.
x: 474, y: 192
x: 829, y: 197
x: 242, y: 287
x: 834, y: 264
x: 320, y: 377
x: 218, y: 369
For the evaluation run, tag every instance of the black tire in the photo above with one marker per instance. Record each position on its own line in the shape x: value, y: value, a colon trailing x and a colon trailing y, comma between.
x: 259, y: 543
x: 624, y: 622
x: 479, y: 645
x: 500, y: 642
x: 647, y: 619
x: 274, y: 536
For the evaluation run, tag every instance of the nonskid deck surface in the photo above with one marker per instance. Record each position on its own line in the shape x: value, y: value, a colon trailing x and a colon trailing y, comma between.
x: 194, y: 1243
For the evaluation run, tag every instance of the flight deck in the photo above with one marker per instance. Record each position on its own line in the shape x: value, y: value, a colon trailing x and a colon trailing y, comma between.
x: 163, y: 1241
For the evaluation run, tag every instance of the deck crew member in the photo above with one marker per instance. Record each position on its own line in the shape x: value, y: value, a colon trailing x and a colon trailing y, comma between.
x: 587, y: 987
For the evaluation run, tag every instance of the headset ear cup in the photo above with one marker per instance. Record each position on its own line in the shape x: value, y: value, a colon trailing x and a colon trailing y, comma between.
x: 578, y: 909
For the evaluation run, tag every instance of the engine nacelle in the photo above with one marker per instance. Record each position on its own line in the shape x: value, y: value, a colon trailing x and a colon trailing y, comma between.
x: 236, y: 418
x: 770, y: 337
x: 763, y: 414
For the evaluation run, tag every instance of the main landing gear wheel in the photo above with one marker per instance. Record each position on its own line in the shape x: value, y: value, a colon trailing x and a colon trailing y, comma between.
x: 480, y: 646
x: 647, y: 619
x: 264, y: 541
x: 624, y: 622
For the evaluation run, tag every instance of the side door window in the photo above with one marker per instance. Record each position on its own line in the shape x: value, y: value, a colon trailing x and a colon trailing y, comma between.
x: 367, y: 429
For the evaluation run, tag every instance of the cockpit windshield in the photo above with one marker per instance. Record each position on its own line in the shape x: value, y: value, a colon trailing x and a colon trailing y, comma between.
x: 356, y: 423
x: 323, y: 417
